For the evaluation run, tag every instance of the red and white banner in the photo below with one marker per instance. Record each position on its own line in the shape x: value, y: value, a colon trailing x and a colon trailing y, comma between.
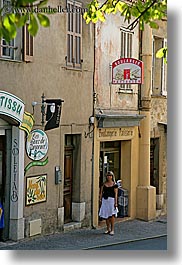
x: 127, y: 71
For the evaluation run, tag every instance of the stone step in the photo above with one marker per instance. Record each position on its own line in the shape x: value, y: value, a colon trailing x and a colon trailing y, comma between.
x: 158, y: 213
x: 71, y: 226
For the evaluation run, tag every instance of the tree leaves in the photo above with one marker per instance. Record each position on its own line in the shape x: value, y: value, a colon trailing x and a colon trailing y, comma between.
x: 147, y: 12
x: 18, y: 14
x: 44, y: 21
x: 162, y: 53
x: 24, y: 11
x: 33, y: 25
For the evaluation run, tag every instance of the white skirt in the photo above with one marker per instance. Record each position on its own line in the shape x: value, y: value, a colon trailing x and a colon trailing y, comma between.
x: 107, y: 208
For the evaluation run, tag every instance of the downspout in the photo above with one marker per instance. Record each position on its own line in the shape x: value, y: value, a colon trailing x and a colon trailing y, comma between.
x: 93, y: 113
x: 140, y: 58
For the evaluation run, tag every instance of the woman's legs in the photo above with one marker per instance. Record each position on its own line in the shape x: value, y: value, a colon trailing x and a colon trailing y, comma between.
x: 108, y: 224
x: 112, y: 219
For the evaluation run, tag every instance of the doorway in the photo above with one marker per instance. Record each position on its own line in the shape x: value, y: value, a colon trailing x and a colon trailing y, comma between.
x: 110, y: 157
x: 2, y: 181
x: 154, y: 163
x: 68, y: 178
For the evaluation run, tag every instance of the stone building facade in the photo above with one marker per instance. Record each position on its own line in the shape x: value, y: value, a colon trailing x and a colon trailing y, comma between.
x: 159, y: 120
x: 103, y: 126
x: 127, y: 118
x: 56, y: 64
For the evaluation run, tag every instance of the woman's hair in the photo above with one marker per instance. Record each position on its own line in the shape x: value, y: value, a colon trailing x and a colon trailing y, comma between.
x: 110, y: 173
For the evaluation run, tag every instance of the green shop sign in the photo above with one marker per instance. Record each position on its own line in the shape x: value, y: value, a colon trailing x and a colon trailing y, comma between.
x: 11, y: 106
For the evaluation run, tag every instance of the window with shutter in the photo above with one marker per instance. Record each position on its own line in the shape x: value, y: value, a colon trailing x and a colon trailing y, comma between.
x: 159, y: 68
x: 74, y: 34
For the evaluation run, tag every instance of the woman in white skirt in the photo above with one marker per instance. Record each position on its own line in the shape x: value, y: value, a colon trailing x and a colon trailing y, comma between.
x: 108, y: 200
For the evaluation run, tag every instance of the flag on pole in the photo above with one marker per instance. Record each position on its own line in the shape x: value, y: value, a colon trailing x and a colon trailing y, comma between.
x: 27, y: 122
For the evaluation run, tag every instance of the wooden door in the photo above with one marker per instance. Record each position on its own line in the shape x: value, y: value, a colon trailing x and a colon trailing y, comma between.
x: 68, y: 175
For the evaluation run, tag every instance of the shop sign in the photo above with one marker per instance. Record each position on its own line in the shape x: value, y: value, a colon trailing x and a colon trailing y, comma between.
x: 37, y: 144
x: 127, y: 71
x: 116, y: 133
x: 11, y: 106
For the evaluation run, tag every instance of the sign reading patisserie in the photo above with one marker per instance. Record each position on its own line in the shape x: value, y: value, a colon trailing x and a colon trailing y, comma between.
x: 11, y: 105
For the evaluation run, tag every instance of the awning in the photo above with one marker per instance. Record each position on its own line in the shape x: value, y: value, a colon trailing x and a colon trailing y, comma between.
x: 114, y: 120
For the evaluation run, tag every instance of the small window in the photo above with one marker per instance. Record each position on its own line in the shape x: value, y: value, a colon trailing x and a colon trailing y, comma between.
x: 159, y: 68
x: 7, y: 49
x: 74, y: 34
x: 11, y: 50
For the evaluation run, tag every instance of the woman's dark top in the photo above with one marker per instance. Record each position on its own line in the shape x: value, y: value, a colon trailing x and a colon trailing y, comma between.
x: 109, y: 191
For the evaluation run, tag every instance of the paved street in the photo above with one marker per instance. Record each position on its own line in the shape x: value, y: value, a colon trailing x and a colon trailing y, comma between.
x: 154, y: 243
x: 84, y: 238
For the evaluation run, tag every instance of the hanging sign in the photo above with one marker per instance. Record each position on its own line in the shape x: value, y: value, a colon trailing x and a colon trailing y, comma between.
x: 53, y: 113
x: 127, y: 71
x: 37, y: 144
x: 11, y: 106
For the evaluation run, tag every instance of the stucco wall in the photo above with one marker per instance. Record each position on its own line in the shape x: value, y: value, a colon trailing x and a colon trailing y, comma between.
x: 158, y: 111
x: 108, y: 49
x: 48, y: 74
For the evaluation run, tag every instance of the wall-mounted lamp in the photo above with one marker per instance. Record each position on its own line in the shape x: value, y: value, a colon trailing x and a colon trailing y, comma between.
x: 91, y: 120
x: 91, y: 123
x: 51, y: 109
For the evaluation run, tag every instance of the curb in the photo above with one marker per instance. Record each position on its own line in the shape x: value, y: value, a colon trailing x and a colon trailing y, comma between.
x: 124, y: 242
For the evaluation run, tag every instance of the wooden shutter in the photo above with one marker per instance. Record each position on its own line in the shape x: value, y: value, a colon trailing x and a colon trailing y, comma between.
x: 74, y: 34
x: 28, y: 43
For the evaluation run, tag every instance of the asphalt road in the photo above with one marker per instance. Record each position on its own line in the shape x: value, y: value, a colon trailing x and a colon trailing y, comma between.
x: 87, y: 238
x: 156, y: 243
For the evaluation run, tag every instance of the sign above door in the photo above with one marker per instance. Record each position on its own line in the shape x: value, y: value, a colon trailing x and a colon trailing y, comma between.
x: 11, y: 105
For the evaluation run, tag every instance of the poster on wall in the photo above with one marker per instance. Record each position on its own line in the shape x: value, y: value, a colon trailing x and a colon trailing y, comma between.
x: 36, y: 189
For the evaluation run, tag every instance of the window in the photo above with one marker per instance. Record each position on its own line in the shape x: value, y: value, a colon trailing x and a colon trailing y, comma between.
x: 20, y: 48
x: 74, y: 34
x: 159, y: 68
x: 7, y: 49
x: 126, y: 50
x: 126, y: 44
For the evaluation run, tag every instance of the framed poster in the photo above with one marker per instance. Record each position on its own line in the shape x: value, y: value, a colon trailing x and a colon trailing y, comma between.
x: 36, y: 189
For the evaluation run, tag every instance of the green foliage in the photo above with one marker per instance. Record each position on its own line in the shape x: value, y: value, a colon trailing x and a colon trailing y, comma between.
x: 20, y: 12
x: 145, y: 12
x: 162, y: 53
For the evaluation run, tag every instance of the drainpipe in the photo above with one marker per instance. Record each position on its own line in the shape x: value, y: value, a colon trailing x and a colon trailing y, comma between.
x: 93, y: 114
